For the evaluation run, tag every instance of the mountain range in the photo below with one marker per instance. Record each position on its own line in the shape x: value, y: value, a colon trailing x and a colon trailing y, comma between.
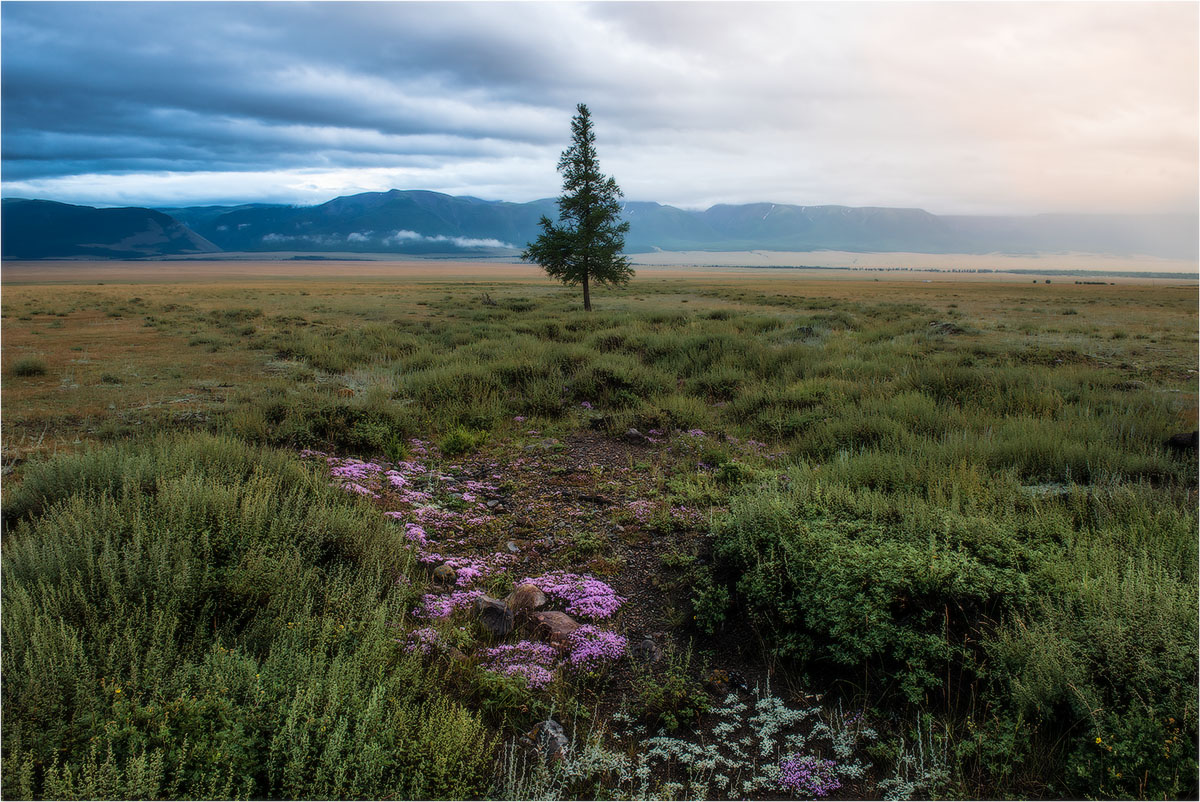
x: 421, y: 222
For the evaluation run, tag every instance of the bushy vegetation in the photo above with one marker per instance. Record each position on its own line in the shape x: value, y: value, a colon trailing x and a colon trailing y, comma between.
x: 1062, y: 627
x: 29, y: 366
x: 201, y: 619
x: 951, y: 505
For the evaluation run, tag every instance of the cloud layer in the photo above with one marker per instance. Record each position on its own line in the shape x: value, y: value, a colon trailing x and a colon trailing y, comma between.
x: 956, y: 108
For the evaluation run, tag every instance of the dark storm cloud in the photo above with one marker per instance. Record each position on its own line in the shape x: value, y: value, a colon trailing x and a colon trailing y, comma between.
x: 1005, y: 107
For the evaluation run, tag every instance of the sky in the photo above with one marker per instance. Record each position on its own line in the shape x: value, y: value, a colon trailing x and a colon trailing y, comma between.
x: 956, y: 108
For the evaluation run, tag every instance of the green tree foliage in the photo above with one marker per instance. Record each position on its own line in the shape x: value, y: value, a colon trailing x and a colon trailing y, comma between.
x: 586, y: 243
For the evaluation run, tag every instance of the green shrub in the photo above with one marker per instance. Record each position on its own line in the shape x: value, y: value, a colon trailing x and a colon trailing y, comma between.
x: 29, y: 366
x: 1062, y: 621
x: 666, y: 695
x: 198, y: 618
x: 460, y: 441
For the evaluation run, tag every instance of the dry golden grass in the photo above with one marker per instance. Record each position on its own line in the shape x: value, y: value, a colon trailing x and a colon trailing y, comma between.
x: 126, y: 340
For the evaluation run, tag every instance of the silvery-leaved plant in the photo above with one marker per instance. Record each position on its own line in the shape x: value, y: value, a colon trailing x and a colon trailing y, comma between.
x: 781, y: 751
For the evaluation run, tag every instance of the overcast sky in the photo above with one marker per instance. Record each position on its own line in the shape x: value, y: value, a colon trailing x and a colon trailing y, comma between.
x: 951, y: 107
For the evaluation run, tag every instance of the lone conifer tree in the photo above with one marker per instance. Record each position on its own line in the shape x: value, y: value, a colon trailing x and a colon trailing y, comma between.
x: 586, y: 243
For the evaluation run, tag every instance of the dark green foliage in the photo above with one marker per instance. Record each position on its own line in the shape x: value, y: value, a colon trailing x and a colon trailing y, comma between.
x: 29, y: 366
x: 587, y: 242
x: 200, y: 619
x: 460, y: 441
x: 1051, y: 621
x: 666, y: 695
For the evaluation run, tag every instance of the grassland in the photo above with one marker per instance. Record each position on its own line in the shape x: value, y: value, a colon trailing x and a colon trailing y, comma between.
x: 944, y: 505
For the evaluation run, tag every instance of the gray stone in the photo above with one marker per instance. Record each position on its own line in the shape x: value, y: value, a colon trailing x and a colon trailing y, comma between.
x: 646, y: 650
x: 550, y: 740
x: 495, y: 615
x: 444, y: 576
x: 513, y: 548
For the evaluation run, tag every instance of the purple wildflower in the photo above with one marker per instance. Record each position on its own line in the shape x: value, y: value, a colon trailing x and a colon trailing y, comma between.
x: 467, y: 569
x: 808, y: 775
x: 592, y: 647
x: 586, y: 405
x: 416, y: 534
x: 533, y: 662
x: 518, y: 418
x: 583, y: 595
x: 436, y: 606
x: 643, y: 510
x: 696, y: 432
x: 421, y: 640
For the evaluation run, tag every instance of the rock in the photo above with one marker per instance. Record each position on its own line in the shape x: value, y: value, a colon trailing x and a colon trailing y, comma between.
x: 525, y: 599
x: 493, y: 503
x: 444, y: 576
x: 1132, y: 384
x: 495, y: 615
x: 550, y: 740
x: 944, y: 328
x: 646, y: 650
x: 634, y: 436
x: 555, y: 628
x: 1183, y: 442
x: 721, y: 682
x: 512, y: 548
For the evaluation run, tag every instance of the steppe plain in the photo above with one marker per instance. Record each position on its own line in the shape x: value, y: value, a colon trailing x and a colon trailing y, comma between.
x: 845, y: 535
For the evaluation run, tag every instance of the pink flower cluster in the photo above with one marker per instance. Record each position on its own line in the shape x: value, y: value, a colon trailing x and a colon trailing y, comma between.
x: 808, y: 776
x: 434, y: 605
x: 643, y: 510
x: 468, y: 569
x: 591, y: 647
x: 583, y: 595
x: 533, y: 662
x: 421, y: 640
x: 686, y: 517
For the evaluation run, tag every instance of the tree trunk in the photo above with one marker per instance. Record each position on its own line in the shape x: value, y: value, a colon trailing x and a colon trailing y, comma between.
x: 587, y: 296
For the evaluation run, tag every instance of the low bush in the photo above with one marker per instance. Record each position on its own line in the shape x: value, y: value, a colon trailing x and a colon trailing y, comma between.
x: 1067, y: 627
x: 198, y: 618
x: 29, y: 366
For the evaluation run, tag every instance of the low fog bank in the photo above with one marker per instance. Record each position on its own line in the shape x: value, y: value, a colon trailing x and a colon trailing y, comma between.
x: 1078, y: 262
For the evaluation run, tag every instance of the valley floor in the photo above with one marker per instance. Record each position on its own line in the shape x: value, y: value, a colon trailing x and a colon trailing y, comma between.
x: 823, y: 537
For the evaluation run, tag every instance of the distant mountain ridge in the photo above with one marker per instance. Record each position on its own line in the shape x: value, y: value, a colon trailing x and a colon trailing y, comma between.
x: 422, y: 222
x: 39, y: 229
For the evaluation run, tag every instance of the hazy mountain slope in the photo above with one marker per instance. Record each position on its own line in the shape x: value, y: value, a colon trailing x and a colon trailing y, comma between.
x: 395, y: 221
x: 419, y: 222
x: 37, y: 229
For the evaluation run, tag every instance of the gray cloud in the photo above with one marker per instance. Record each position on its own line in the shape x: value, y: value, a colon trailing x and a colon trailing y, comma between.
x: 951, y: 107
